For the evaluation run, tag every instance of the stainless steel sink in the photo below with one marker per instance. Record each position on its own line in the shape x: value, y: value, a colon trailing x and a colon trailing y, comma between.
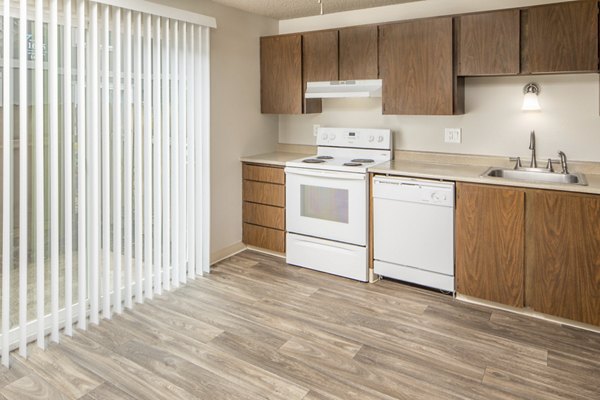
x: 539, y: 175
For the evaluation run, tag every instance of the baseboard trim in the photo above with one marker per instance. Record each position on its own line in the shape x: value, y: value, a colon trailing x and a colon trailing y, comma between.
x: 528, y: 312
x: 226, y: 252
x: 265, y: 251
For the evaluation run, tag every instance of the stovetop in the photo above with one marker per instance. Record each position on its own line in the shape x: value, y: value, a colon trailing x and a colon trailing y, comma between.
x: 338, y: 150
x: 337, y: 163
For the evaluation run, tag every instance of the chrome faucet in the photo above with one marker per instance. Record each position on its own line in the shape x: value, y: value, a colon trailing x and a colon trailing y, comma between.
x: 533, y: 163
x: 563, y: 162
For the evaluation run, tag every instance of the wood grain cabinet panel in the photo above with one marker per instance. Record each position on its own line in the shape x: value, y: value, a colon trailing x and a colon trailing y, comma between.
x: 358, y: 53
x: 562, y: 37
x: 319, y: 63
x: 320, y: 56
x: 264, y: 193
x: 416, y: 65
x: 263, y: 174
x: 263, y: 209
x: 263, y: 215
x: 563, y: 255
x: 489, y: 43
x: 266, y: 238
x: 281, y: 74
x: 490, y: 243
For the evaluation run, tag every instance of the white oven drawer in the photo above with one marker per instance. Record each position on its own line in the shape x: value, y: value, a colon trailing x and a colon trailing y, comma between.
x: 327, y: 204
x: 327, y: 256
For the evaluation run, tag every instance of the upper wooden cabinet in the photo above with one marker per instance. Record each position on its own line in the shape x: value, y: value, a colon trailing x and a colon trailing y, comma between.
x: 320, y: 56
x: 319, y: 62
x: 490, y: 243
x: 561, y: 38
x: 281, y: 74
x: 563, y: 255
x: 422, y: 62
x: 416, y: 65
x: 488, y: 43
x: 358, y: 53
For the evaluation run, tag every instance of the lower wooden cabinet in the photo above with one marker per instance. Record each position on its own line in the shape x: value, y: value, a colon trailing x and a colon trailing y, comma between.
x: 563, y: 255
x: 534, y: 248
x: 263, y: 206
x: 264, y: 215
x: 266, y: 238
x: 264, y: 193
x: 490, y: 243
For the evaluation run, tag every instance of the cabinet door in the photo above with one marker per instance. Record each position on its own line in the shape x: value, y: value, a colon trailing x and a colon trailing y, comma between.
x: 358, y: 53
x: 281, y: 74
x: 490, y: 229
x: 416, y: 65
x: 563, y: 255
x: 562, y: 37
x: 266, y: 238
x: 320, y: 56
x: 319, y: 61
x: 263, y: 173
x: 264, y: 193
x: 488, y: 43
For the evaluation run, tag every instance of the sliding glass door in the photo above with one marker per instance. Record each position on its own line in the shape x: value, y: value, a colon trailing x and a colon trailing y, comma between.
x: 104, y: 158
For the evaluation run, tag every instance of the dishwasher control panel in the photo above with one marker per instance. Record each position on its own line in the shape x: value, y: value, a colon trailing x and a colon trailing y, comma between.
x: 414, y: 190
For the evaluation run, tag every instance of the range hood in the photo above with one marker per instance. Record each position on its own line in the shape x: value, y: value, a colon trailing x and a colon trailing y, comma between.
x: 338, y: 89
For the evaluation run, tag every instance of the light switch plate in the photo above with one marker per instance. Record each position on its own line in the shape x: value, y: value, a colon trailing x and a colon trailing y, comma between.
x: 315, y: 129
x: 452, y: 135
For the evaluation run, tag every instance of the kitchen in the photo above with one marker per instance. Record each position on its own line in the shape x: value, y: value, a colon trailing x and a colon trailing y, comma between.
x: 518, y: 267
x: 288, y: 332
x: 510, y: 42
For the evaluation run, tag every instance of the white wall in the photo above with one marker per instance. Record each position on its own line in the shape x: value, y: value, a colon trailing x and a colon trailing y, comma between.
x: 492, y: 124
x: 237, y: 126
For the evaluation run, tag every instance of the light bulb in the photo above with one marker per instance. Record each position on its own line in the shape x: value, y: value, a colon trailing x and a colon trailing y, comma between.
x: 530, y: 102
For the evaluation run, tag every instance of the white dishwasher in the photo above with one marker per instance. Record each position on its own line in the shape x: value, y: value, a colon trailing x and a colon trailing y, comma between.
x: 413, y: 229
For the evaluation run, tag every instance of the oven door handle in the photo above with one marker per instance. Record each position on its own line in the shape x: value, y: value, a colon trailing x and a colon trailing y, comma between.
x: 326, y: 174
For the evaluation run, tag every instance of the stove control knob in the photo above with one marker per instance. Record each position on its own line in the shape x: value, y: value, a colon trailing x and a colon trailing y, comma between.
x: 371, y: 138
x: 324, y: 136
x: 380, y: 139
x: 332, y: 137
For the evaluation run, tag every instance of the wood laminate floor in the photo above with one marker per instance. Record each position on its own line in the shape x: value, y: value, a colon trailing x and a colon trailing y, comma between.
x: 256, y: 328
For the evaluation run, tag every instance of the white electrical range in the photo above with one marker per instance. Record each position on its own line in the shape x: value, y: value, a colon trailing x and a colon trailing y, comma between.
x: 327, y: 200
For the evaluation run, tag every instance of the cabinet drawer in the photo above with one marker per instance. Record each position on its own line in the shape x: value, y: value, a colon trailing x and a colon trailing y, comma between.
x: 263, y: 174
x: 266, y: 238
x: 260, y: 214
x: 264, y: 193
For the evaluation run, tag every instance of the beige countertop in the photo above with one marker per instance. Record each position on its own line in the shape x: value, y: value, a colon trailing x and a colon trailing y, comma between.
x: 278, y: 158
x: 440, y: 171
x: 472, y: 173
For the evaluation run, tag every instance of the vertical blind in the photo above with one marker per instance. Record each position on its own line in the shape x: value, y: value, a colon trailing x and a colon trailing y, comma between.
x: 105, y: 160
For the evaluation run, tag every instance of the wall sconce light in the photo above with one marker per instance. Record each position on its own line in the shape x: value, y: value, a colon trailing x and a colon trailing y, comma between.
x: 530, y: 100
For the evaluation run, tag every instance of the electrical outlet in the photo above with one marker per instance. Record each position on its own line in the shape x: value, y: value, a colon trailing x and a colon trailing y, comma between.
x: 452, y: 135
x: 316, y: 129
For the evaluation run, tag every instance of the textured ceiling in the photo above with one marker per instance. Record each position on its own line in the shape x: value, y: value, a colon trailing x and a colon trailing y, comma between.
x: 286, y: 9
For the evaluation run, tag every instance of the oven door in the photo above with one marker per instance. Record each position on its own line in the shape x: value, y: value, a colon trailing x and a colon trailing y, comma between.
x: 327, y: 204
